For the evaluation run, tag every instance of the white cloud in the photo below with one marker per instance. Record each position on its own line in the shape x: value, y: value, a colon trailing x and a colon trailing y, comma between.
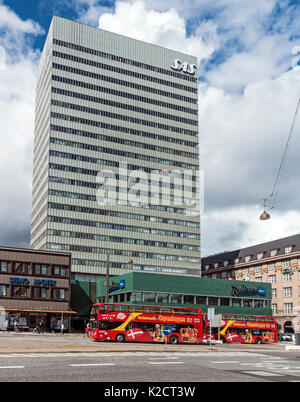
x: 166, y: 28
x: 17, y: 92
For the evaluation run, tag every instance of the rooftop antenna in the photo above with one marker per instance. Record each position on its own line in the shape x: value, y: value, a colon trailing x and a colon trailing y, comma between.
x: 265, y: 215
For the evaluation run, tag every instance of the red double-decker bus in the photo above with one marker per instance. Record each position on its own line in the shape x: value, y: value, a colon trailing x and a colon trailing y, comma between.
x: 127, y: 323
x: 244, y: 329
x: 161, y: 324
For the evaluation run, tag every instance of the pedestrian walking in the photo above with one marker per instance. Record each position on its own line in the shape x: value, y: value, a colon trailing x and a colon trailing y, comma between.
x: 41, y: 327
x: 6, y: 326
x: 62, y: 328
x: 16, y: 326
x: 37, y: 329
x: 86, y: 330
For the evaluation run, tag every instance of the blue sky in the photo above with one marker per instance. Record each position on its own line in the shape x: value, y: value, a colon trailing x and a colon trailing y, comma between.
x: 249, y: 84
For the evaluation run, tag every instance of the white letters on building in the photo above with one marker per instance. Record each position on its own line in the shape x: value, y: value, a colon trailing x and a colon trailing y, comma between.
x: 185, y: 67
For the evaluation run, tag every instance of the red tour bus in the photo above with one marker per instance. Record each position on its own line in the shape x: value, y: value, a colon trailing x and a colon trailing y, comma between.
x: 245, y: 329
x: 162, y: 324
x: 127, y: 323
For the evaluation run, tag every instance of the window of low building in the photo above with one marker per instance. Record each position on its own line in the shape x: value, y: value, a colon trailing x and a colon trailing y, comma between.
x: 187, y: 299
x: 271, y: 266
x: 272, y: 278
x: 212, y: 301
x: 137, y: 296
x: 236, y: 302
x: 274, y: 308
x: 58, y: 293
x: 201, y: 299
x: 3, y: 266
x: 40, y: 269
x: 225, y: 301
x: 39, y: 293
x: 247, y: 302
x: 3, y: 290
x: 59, y: 270
x: 288, y: 249
x: 258, y: 303
x: 288, y: 308
x: 162, y: 298
x: 19, y: 291
x: 286, y: 277
x: 257, y: 268
x: 288, y: 292
x: 149, y: 297
x: 176, y: 299
x: 20, y: 268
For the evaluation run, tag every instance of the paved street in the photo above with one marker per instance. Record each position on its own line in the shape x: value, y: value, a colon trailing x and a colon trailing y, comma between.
x: 110, y: 362
x: 149, y: 366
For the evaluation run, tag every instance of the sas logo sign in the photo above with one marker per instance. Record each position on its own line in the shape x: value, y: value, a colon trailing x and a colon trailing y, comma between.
x: 184, y: 67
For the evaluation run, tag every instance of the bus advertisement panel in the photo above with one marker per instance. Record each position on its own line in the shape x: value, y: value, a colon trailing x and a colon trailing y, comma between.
x: 133, y: 323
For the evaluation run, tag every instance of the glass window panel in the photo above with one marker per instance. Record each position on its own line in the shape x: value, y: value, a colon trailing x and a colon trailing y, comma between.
x: 225, y: 301
x: 3, y: 266
x: 187, y: 299
x: 176, y: 299
x: 236, y: 302
x: 247, y: 302
x: 201, y: 299
x: 149, y: 297
x: 212, y: 301
x: 162, y: 298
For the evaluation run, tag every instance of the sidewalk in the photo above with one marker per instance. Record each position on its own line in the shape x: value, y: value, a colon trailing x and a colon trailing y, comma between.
x: 77, y: 343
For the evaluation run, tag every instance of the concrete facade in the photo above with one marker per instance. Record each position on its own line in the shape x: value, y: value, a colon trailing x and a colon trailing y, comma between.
x: 108, y: 102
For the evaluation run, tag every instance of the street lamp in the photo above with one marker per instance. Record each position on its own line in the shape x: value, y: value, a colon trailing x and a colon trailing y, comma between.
x: 106, y: 283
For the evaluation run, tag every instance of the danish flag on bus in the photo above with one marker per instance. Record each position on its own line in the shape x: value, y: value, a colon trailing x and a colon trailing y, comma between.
x: 233, y: 337
x: 134, y: 333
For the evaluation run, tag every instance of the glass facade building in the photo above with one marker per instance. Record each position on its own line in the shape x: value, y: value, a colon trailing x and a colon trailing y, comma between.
x: 116, y: 161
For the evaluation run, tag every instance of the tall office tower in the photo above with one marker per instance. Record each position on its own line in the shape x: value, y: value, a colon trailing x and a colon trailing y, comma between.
x: 116, y: 160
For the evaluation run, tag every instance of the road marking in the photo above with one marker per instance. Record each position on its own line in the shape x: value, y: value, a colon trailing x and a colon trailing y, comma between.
x: 166, y: 362
x: 226, y: 362
x: 166, y: 357
x: 264, y: 373
x: 275, y: 361
x: 12, y: 367
x: 91, y: 364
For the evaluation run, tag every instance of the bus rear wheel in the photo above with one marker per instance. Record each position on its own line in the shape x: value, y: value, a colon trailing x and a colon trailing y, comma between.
x: 120, y: 338
x: 174, y: 340
x: 257, y: 341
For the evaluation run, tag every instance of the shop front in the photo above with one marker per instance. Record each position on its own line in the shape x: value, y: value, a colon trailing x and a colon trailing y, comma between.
x: 34, y: 290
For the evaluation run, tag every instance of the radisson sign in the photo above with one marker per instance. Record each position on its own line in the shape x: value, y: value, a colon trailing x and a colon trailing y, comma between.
x: 244, y: 291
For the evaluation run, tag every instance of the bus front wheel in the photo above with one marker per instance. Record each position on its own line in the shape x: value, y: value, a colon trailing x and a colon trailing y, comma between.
x: 173, y: 340
x: 120, y: 338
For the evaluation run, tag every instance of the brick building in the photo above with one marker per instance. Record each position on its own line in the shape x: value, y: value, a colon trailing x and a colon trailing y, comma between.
x: 276, y: 262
